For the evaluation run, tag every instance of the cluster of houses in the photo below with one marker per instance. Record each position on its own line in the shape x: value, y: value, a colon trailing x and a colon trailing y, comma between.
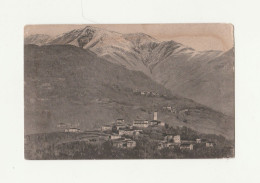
x: 67, y: 127
x: 123, y: 135
x: 131, y: 131
x: 169, y: 109
x: 72, y: 130
x: 171, y: 142
x: 124, y: 143
x: 147, y: 93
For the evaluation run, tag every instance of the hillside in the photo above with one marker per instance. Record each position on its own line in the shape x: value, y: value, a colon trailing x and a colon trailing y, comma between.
x: 38, y: 39
x: 64, y: 83
x: 206, y: 76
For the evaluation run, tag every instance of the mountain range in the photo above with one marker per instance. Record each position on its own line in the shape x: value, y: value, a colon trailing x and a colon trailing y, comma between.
x: 206, y: 77
x: 73, y: 85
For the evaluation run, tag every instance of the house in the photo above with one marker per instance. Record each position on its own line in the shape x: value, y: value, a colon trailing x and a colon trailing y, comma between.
x: 121, y: 132
x: 126, y: 143
x: 209, y: 144
x: 170, y: 145
x: 114, y: 136
x: 198, y: 141
x: 154, y: 123
x: 106, y: 128
x: 168, y: 108
x: 137, y: 132
x: 188, y: 142
x: 62, y: 125
x: 130, y: 127
x: 120, y: 126
x: 126, y: 132
x: 168, y: 138
x: 154, y: 94
x: 164, y: 144
x: 143, y: 92
x: 161, y: 123
x: 119, y: 144
x: 177, y: 139
x: 146, y: 93
x: 136, y: 91
x: 72, y: 130
x: 185, y: 111
x: 141, y: 123
x: 120, y: 121
x: 130, y: 144
x: 161, y: 145
x: 186, y: 146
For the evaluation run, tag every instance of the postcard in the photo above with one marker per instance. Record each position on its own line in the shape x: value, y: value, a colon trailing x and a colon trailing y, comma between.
x: 129, y: 91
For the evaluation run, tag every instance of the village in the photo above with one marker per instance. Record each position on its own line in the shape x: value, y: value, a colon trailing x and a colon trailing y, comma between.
x: 124, y: 135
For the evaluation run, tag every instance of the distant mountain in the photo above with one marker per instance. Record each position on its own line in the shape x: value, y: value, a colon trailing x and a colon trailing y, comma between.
x: 67, y: 84
x: 204, y: 76
x: 115, y: 47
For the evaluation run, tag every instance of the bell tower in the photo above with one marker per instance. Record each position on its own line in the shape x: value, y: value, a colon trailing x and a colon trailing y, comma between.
x: 155, y: 116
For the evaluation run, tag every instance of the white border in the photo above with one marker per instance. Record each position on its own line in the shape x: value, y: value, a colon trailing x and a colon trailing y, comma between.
x: 243, y: 14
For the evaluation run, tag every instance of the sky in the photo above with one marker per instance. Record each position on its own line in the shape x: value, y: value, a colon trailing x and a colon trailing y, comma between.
x: 198, y: 36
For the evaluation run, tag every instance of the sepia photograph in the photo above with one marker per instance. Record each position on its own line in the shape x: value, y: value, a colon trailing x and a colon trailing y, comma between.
x: 129, y: 91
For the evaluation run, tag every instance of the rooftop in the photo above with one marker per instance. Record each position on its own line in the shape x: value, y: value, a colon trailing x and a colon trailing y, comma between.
x: 155, y: 121
x: 186, y: 144
x: 114, y: 134
x: 74, y: 128
x: 128, y: 130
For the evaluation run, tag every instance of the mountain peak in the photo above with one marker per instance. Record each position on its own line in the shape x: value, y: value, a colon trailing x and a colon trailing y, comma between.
x: 139, y: 36
x: 98, y: 29
x: 88, y: 27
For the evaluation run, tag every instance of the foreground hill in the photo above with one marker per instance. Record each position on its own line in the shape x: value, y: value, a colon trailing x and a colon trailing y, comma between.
x: 206, y: 77
x: 61, y: 145
x: 64, y: 83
